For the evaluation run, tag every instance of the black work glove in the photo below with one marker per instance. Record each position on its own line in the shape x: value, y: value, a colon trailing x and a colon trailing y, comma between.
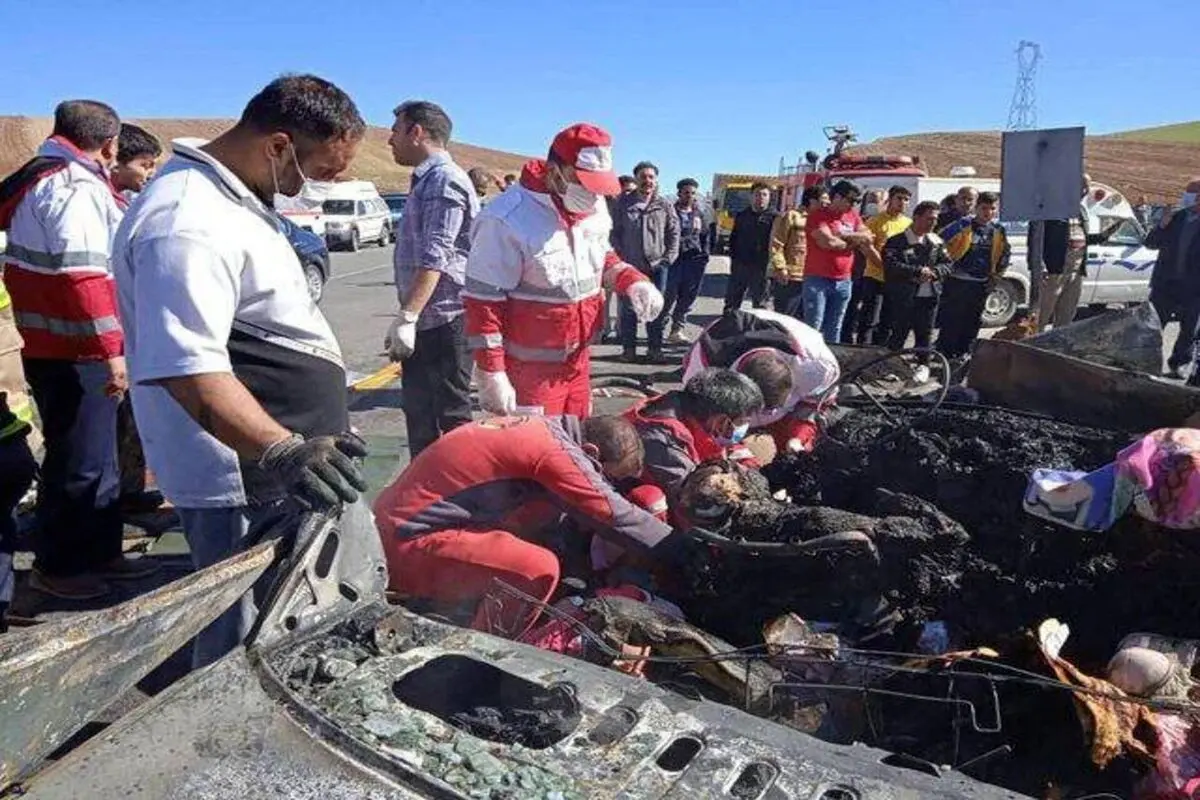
x: 319, y: 471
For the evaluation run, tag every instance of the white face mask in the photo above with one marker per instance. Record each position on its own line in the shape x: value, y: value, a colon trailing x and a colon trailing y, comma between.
x: 578, y: 200
x: 304, y: 179
x: 1187, y: 200
x: 871, y: 209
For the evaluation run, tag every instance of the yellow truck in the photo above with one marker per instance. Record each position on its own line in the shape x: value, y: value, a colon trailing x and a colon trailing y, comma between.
x: 730, y: 194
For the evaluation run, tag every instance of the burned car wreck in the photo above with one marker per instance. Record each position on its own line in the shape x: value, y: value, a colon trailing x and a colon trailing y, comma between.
x: 895, y: 627
x: 338, y: 694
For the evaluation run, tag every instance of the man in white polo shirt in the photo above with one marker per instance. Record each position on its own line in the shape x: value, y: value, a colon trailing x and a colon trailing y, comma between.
x: 238, y: 383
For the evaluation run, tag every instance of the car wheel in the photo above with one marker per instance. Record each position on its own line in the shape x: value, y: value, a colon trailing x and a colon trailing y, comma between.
x: 355, y: 243
x: 385, y: 237
x: 1001, y: 304
x: 314, y: 279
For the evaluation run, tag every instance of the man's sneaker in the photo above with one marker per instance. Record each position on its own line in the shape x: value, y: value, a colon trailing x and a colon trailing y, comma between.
x: 69, y: 587
x: 678, y: 336
x: 123, y: 568
x: 921, y: 374
x: 1173, y: 374
x: 629, y: 355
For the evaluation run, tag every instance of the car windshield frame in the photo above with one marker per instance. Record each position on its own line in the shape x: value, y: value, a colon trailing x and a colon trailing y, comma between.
x: 342, y: 207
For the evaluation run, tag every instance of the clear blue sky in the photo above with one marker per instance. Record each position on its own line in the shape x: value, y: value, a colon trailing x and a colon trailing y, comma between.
x: 696, y: 86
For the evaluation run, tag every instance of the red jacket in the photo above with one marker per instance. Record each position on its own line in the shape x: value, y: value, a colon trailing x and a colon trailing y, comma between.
x: 535, y: 274
x: 60, y: 212
x: 485, y: 475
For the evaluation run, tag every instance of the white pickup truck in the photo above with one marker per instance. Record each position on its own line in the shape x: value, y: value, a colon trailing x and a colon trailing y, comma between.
x: 1118, y: 272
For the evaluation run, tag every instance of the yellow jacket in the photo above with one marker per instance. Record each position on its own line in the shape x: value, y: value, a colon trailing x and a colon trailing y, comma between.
x: 788, y: 246
x: 884, y: 226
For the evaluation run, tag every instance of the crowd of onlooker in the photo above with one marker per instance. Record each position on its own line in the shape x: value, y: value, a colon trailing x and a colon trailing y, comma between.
x: 861, y: 270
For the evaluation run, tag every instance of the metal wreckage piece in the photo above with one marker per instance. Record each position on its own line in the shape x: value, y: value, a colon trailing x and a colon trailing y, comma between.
x: 339, y: 695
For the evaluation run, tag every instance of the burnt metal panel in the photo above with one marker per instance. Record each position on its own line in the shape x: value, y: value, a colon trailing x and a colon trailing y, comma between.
x: 56, y: 677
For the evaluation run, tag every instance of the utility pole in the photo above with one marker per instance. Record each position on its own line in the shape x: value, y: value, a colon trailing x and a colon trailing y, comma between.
x: 1022, y: 116
x: 1022, y: 113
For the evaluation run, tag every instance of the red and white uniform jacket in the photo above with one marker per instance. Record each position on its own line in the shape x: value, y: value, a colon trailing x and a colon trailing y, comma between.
x: 493, y: 473
x: 535, y: 275
x: 61, y: 213
x: 735, y: 336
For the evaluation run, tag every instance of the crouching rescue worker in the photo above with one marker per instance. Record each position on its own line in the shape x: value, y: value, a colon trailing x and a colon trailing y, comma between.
x: 708, y: 418
x: 478, y: 503
x: 788, y: 361
x: 540, y: 262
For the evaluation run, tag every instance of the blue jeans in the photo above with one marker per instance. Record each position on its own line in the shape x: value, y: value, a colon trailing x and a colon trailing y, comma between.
x: 629, y: 320
x: 825, y: 302
x: 213, y: 535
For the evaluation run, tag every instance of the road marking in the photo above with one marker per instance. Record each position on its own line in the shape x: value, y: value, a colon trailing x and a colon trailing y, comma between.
x: 341, y: 275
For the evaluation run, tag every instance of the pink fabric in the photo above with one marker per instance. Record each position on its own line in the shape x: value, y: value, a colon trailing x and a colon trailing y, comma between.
x: 1163, y: 471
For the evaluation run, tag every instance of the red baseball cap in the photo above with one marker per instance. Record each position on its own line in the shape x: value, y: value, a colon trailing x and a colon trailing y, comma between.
x: 588, y: 148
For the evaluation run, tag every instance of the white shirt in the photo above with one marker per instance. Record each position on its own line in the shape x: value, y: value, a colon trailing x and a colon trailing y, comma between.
x: 208, y: 283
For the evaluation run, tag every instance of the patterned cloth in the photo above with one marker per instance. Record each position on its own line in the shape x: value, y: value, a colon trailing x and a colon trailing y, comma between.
x: 1158, y: 476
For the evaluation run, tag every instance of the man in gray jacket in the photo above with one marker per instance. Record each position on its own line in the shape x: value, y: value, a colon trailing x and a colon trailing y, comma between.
x: 646, y: 235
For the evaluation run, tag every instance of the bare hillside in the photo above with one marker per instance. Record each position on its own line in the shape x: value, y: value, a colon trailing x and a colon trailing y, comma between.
x: 20, y: 136
x: 1156, y: 169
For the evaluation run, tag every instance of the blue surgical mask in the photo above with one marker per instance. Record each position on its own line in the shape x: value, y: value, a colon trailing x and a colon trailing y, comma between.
x: 738, y: 434
x: 1187, y: 200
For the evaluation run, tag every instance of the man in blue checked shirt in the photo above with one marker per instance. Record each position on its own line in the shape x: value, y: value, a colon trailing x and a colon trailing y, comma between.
x: 430, y: 263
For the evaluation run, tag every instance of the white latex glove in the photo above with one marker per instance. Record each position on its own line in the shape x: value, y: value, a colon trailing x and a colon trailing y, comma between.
x: 496, y: 392
x: 647, y: 301
x: 401, y: 339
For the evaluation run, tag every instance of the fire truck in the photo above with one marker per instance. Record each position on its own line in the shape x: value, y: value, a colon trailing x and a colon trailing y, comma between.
x: 868, y: 172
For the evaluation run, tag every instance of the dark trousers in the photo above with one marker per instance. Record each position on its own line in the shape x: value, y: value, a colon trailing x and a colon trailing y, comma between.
x: 746, y: 279
x: 788, y: 297
x: 17, y: 468
x: 683, y: 286
x: 130, y: 455
x: 79, y: 523
x: 864, y: 322
x: 628, y: 319
x: 437, y: 384
x: 915, y: 316
x: 1181, y: 353
x: 961, y: 316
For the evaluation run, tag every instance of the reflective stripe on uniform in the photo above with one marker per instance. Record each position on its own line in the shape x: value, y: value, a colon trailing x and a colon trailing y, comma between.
x: 5, y: 297
x: 39, y: 259
x: 483, y: 291
x: 553, y: 355
x: 584, y: 288
x: 67, y: 327
x: 22, y: 421
x: 487, y: 341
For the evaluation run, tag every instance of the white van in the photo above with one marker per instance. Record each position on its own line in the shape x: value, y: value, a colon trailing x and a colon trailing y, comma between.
x: 354, y: 213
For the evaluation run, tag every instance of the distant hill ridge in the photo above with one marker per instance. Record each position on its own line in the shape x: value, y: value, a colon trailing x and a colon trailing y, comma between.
x: 20, y: 137
x: 1137, y: 162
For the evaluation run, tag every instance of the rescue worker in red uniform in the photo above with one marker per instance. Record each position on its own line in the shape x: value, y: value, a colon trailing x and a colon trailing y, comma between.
x: 470, y: 508
x: 708, y: 418
x: 539, y: 265
x: 788, y: 360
